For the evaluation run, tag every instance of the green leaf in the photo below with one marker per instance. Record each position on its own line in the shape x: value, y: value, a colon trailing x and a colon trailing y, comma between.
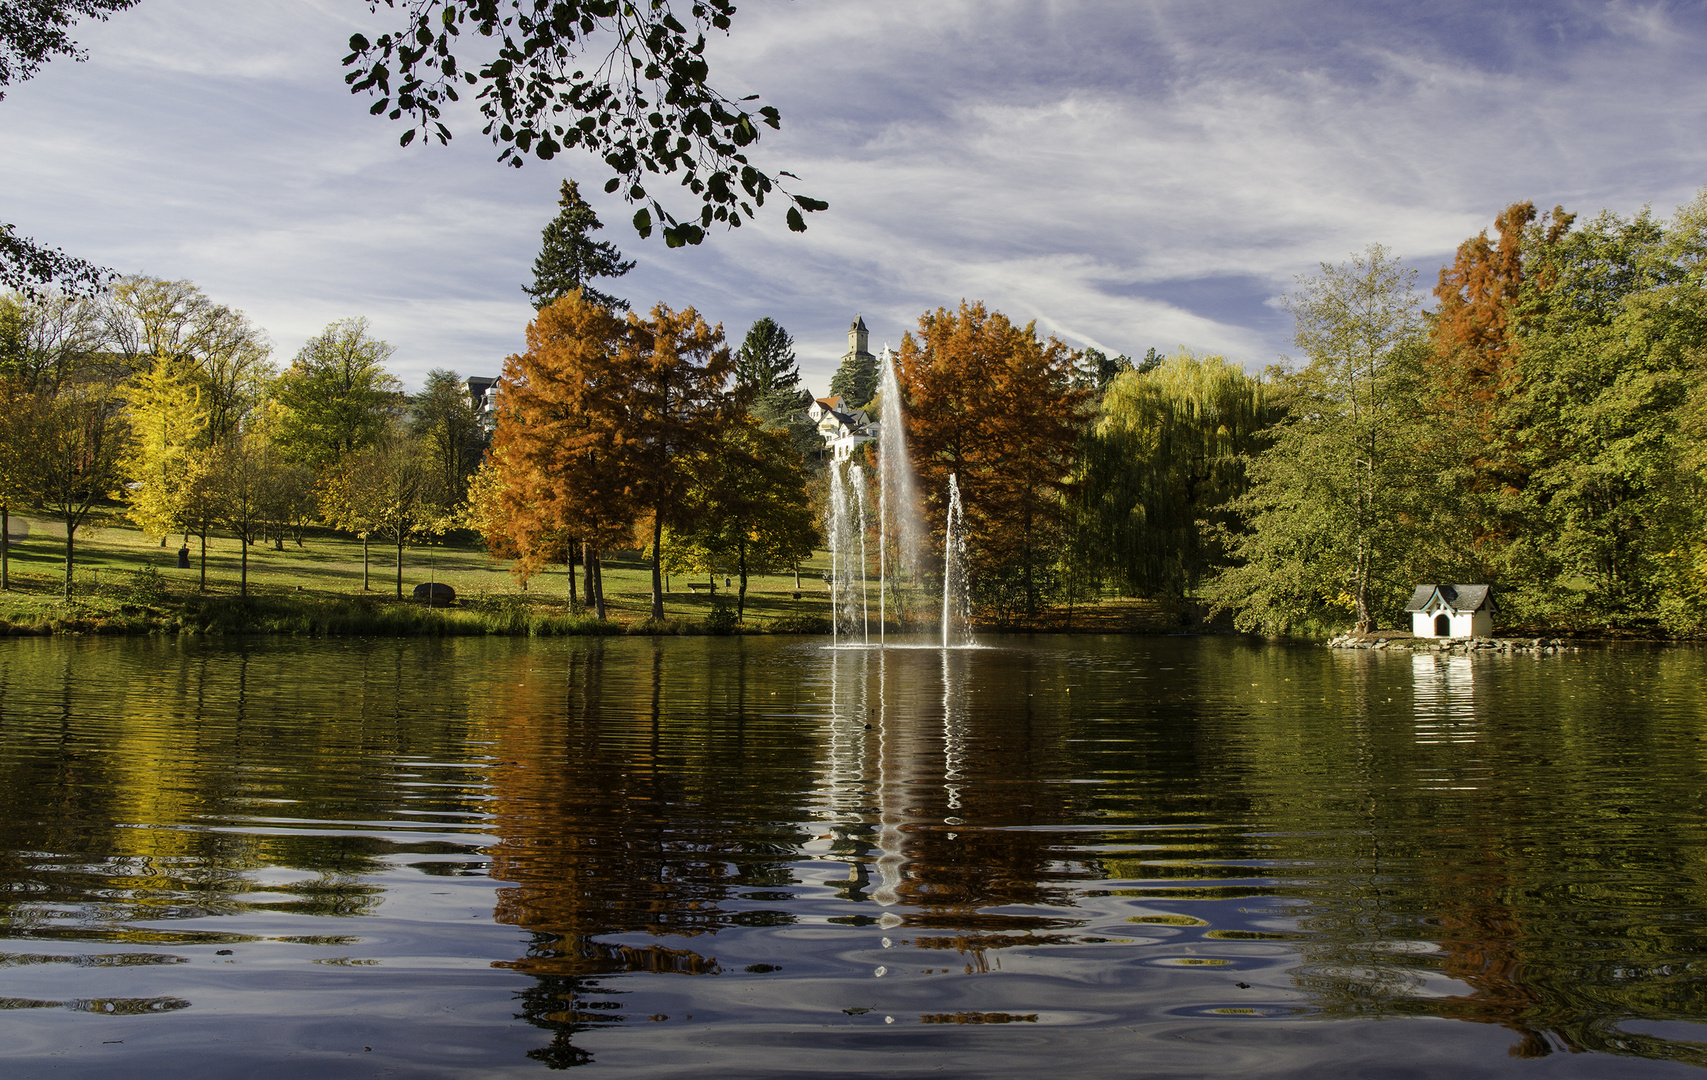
x: 643, y: 223
x: 796, y: 223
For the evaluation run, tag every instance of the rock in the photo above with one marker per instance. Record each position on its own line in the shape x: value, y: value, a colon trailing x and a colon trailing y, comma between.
x: 436, y: 592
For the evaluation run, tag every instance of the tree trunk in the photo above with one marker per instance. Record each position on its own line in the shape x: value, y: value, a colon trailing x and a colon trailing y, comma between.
x: 569, y: 557
x: 587, y: 574
x: 70, y: 537
x: 203, y: 586
x: 657, y: 567
x: 243, y: 575
x: 399, y: 564
x: 741, y: 597
x: 598, y: 586
x: 5, y: 546
x: 364, y: 563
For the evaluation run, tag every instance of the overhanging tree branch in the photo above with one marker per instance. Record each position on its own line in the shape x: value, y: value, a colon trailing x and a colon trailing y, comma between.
x: 624, y: 79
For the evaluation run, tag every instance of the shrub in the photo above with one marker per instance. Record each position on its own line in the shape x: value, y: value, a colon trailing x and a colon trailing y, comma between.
x: 722, y: 618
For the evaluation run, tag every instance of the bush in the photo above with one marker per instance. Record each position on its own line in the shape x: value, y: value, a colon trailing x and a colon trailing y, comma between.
x: 723, y: 618
x: 146, y: 587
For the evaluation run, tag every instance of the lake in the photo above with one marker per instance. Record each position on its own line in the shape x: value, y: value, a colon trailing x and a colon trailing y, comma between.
x: 1159, y: 857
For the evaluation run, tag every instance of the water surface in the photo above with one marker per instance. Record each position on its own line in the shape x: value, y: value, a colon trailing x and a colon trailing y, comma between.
x: 761, y: 857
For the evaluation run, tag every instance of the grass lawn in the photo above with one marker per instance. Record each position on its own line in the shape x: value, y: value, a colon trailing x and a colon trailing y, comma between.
x: 325, y: 576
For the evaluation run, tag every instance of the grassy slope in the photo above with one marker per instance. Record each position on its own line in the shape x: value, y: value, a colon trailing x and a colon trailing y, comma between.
x: 319, y: 587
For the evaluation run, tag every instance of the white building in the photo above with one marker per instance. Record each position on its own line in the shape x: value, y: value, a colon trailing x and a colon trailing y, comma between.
x: 1452, y: 611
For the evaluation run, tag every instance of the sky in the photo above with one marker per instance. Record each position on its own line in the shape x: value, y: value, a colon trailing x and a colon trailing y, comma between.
x: 1128, y: 175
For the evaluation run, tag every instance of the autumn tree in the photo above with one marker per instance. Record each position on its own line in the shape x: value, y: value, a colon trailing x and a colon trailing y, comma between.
x: 680, y: 370
x: 599, y: 421
x: 336, y: 395
x: 569, y: 258
x: 991, y: 404
x: 747, y: 508
x: 170, y: 456
x: 557, y: 476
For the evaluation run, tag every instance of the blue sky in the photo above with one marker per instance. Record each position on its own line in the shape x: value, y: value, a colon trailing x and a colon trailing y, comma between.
x: 1129, y: 175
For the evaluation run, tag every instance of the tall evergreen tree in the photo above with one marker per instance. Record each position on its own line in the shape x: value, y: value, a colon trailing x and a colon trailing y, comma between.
x: 766, y: 361
x: 569, y: 258
x: 855, y: 380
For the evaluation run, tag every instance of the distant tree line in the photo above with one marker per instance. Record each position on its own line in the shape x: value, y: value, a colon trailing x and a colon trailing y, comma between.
x: 1543, y: 429
x: 150, y: 394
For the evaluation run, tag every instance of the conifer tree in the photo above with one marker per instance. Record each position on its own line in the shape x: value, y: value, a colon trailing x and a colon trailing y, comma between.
x: 766, y: 361
x: 856, y: 380
x: 569, y: 258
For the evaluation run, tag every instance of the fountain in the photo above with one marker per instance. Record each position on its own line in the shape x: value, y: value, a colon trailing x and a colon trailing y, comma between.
x: 900, y: 529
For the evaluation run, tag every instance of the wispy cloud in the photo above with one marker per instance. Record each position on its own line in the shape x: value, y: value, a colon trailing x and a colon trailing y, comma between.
x: 1128, y: 175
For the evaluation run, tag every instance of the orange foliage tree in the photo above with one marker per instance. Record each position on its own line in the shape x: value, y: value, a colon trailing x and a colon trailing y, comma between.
x: 1473, y: 367
x: 991, y: 404
x: 597, y: 424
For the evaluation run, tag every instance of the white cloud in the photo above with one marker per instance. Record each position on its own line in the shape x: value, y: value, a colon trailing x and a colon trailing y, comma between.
x: 1129, y: 175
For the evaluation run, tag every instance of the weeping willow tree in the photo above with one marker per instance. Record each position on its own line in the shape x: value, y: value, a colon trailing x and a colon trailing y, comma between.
x: 1158, y: 470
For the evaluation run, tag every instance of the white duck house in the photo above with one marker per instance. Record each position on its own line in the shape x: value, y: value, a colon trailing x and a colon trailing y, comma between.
x: 1452, y: 611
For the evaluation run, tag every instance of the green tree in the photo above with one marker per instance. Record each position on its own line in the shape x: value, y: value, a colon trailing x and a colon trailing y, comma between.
x: 1159, y: 469
x: 855, y: 380
x: 1334, y: 504
x: 1612, y: 320
x: 785, y: 410
x: 336, y: 395
x: 51, y: 338
x: 766, y: 359
x: 388, y: 489
x: 445, y: 419
x: 74, y: 459
x: 242, y: 476
x: 17, y: 436
x: 569, y: 258
x: 154, y: 321
x: 747, y: 508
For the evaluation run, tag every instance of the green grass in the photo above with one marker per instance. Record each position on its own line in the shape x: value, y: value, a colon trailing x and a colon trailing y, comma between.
x: 317, y: 588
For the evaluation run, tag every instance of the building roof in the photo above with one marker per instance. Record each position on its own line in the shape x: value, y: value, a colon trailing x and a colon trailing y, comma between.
x: 858, y: 323
x: 1460, y: 598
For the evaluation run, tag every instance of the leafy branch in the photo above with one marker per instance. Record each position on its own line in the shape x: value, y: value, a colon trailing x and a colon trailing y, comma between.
x: 623, y: 79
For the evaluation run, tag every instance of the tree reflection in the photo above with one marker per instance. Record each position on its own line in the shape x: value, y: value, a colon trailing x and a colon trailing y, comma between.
x: 629, y: 803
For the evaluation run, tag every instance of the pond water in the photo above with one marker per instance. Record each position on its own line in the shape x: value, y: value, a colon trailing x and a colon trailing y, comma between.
x: 761, y: 857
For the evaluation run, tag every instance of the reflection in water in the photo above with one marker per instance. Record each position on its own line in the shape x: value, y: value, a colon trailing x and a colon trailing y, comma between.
x: 1443, y: 688
x: 1050, y: 844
